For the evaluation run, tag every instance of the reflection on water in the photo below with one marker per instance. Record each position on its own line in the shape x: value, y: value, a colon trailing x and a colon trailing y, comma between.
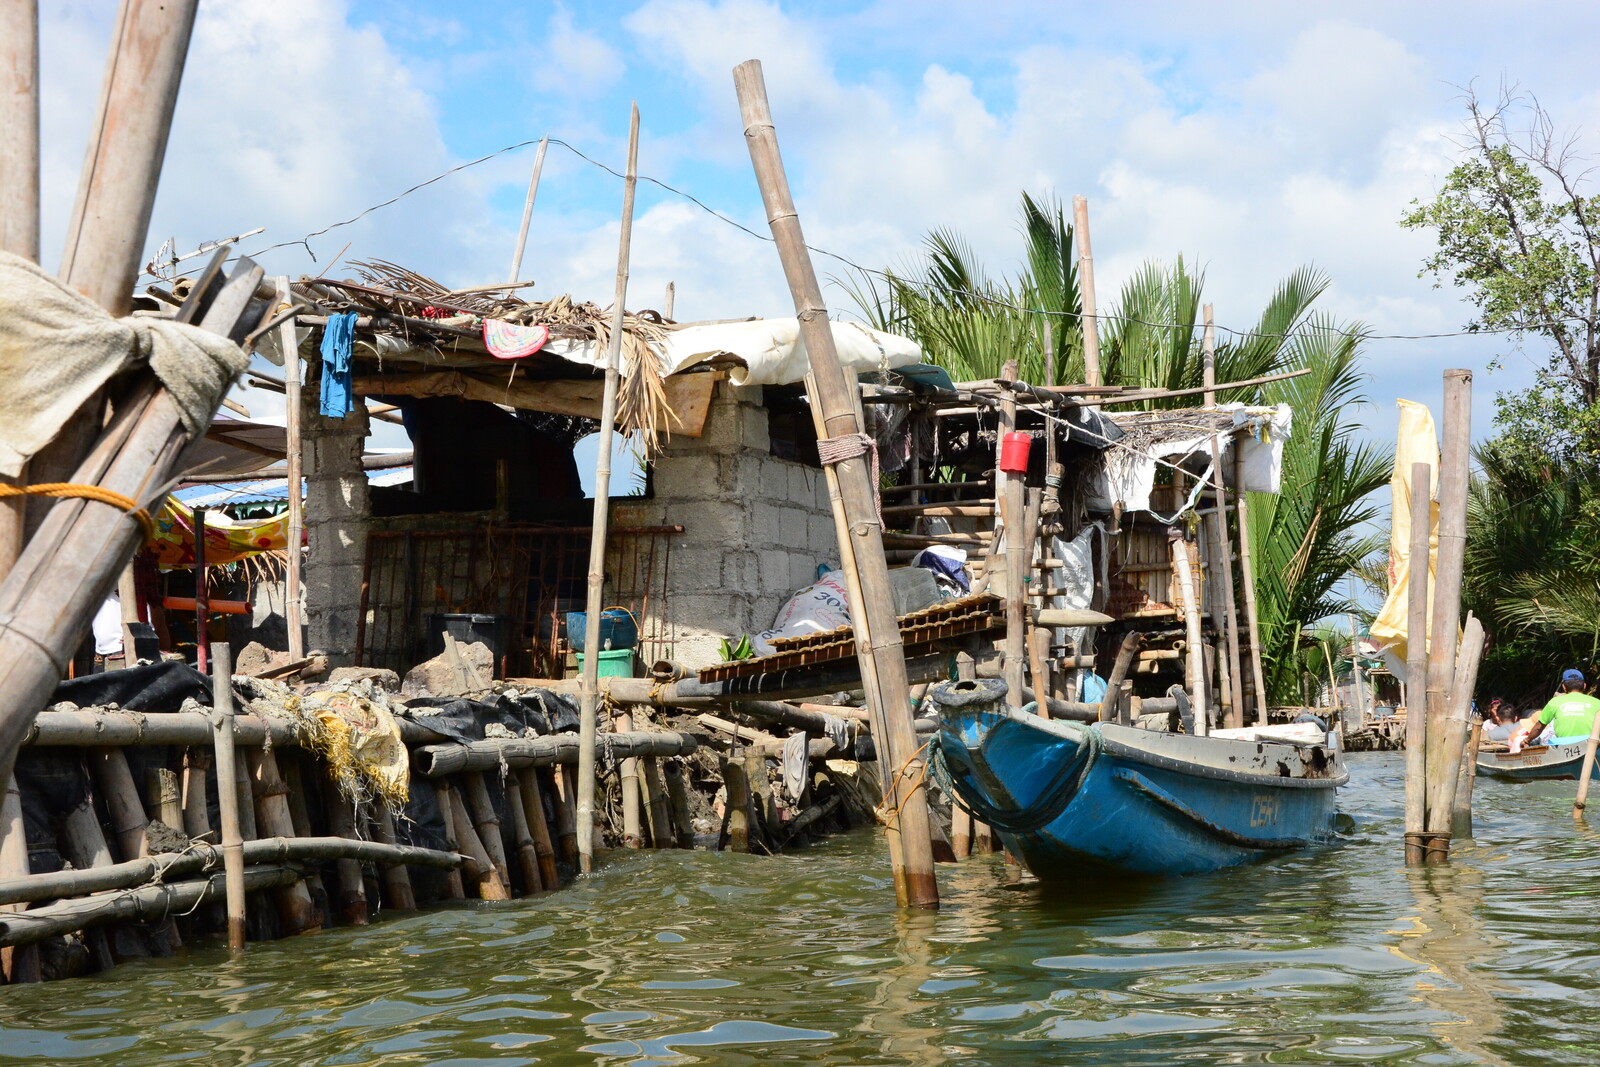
x: 1337, y: 956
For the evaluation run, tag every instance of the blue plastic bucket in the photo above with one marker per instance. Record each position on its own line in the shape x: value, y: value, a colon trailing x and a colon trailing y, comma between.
x: 618, y: 629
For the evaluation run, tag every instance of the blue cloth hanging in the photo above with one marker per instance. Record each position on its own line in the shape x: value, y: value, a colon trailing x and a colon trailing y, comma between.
x: 337, y: 396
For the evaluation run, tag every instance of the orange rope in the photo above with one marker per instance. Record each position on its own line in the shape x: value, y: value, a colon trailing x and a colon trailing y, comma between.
x: 64, y: 490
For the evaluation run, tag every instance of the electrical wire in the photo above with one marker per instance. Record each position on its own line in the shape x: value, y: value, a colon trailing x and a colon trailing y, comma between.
x: 986, y: 298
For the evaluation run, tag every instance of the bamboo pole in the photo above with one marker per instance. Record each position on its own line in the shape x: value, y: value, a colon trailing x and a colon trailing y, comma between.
x: 1111, y: 703
x: 533, y: 807
x: 295, y: 908
x: 164, y: 797
x: 397, y: 891
x: 116, y: 192
x: 342, y: 823
x: 19, y: 194
x: 196, y: 812
x: 1417, y: 664
x: 293, y: 446
x: 655, y: 804
x: 762, y: 806
x: 19, y: 119
x: 1224, y: 561
x: 16, y: 965
x: 202, y: 591
x: 1193, y: 669
x: 1461, y: 812
x: 1208, y: 360
x: 114, y: 782
x: 678, y: 797
x: 487, y: 823
x: 1588, y: 768
x: 224, y: 757
x: 628, y: 773
x: 738, y: 804
x: 565, y: 789
x: 1458, y: 708
x: 1012, y: 488
x: 670, y: 301
x: 527, y: 209
x: 1453, y: 476
x: 878, y: 644
x: 1090, y: 319
x: 36, y: 887
x: 602, y: 517
x: 522, y: 837
x: 479, y: 866
x: 1247, y: 584
x: 453, y: 888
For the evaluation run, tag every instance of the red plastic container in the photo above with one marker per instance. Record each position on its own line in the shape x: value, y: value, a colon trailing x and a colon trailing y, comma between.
x: 1014, y: 453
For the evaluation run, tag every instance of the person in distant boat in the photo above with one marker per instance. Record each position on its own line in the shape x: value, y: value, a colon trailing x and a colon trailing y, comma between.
x: 1566, y: 720
x: 1499, y: 721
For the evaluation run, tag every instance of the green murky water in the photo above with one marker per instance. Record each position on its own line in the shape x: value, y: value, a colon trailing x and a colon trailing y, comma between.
x: 1339, y: 956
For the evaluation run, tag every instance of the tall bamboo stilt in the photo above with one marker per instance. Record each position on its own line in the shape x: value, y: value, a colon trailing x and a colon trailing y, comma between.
x: 19, y: 964
x: 453, y: 887
x: 878, y: 644
x: 114, y: 782
x: 1086, y: 294
x: 293, y: 453
x: 1444, y: 740
x: 738, y: 801
x: 1184, y: 580
x: 522, y: 837
x: 655, y: 804
x: 1417, y: 664
x: 599, y: 524
x: 342, y: 823
x: 678, y: 795
x: 228, y: 795
x: 533, y: 807
x: 398, y: 894
x: 196, y: 812
x: 487, y: 823
x: 296, y: 910
x: 563, y: 794
x: 479, y: 866
x: 632, y: 822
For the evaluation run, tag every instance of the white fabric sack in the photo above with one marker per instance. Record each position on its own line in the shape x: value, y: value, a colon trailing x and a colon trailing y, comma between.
x: 823, y: 605
x: 57, y: 348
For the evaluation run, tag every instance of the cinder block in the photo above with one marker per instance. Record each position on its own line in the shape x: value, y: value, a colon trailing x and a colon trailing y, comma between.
x: 821, y: 537
x: 690, y: 477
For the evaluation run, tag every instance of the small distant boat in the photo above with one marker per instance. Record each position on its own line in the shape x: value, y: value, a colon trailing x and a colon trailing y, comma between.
x: 1069, y: 798
x: 1536, y: 763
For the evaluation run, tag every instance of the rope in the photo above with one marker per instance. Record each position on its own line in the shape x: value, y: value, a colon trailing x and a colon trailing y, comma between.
x: 883, y: 811
x: 1062, y: 790
x: 835, y: 450
x: 66, y: 490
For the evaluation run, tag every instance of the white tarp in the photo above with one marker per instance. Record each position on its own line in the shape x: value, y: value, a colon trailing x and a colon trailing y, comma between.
x: 771, y: 349
x: 1128, y: 474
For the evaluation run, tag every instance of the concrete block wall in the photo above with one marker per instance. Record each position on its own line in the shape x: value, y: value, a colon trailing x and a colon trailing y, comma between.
x: 756, y: 527
x: 336, y: 528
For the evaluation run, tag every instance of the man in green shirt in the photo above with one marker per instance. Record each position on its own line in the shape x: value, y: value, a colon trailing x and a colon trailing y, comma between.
x: 1570, y: 715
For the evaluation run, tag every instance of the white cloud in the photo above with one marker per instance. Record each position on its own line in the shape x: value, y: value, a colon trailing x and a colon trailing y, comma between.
x: 573, y: 62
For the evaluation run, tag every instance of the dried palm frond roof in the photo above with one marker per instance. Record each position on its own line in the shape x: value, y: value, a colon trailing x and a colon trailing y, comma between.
x: 420, y: 308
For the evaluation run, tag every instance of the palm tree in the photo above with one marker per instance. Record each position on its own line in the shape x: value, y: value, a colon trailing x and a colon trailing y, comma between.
x: 1307, y: 537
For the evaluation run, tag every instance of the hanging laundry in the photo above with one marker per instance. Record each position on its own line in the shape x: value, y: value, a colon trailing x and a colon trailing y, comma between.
x: 507, y: 340
x: 337, y: 336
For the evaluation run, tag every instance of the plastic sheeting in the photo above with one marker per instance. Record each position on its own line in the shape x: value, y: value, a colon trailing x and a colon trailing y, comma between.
x: 1128, y: 473
x: 770, y: 349
x: 227, y: 540
x: 1418, y: 443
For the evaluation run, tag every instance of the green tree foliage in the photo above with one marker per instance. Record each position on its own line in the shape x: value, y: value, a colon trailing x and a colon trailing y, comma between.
x: 1516, y: 222
x: 1306, y: 538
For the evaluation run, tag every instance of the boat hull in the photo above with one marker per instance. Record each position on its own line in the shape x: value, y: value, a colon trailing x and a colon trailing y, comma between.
x: 1536, y: 763
x: 1068, y: 798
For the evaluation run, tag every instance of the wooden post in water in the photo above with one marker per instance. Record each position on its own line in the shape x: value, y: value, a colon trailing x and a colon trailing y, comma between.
x: 1223, y: 552
x: 1194, y: 673
x: 1011, y: 490
x: 877, y: 631
x: 599, y: 525
x: 1588, y: 767
x: 1247, y: 583
x: 16, y: 964
x: 1090, y: 319
x: 738, y: 804
x: 397, y: 891
x: 533, y: 808
x: 678, y: 797
x: 522, y: 836
x: 202, y: 606
x: 227, y: 794
x: 293, y: 454
x: 628, y: 775
x: 1417, y: 664
x: 1453, y: 476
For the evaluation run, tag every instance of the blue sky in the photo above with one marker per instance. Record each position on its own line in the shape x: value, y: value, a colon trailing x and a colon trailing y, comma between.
x: 1250, y: 137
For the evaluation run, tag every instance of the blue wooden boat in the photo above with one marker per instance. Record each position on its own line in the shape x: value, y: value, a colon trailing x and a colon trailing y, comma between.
x: 1536, y: 763
x: 1071, y: 798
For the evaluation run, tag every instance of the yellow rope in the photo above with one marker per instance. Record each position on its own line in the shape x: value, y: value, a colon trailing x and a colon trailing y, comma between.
x: 883, y: 811
x: 64, y: 490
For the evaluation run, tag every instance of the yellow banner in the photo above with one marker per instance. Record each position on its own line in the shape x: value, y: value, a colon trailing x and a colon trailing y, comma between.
x: 1418, y: 443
